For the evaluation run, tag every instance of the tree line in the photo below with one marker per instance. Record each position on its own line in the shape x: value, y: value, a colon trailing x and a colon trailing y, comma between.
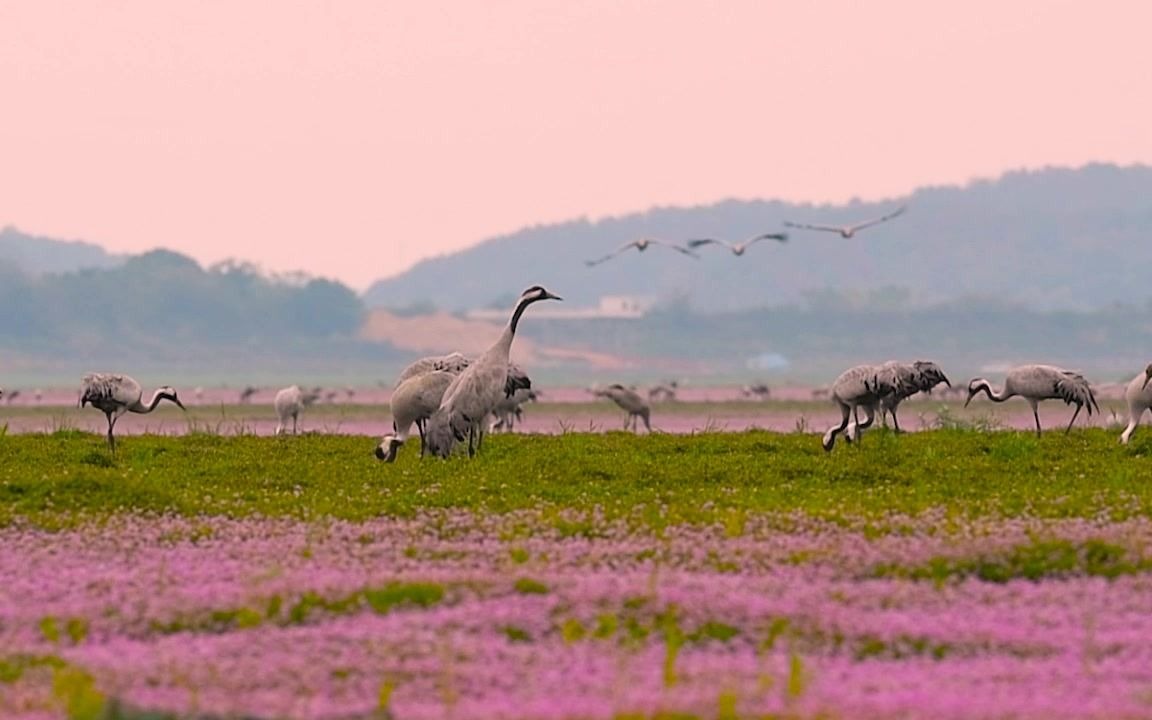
x: 162, y: 297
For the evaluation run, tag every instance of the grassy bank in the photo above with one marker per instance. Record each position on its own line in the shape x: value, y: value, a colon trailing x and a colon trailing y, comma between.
x: 656, y: 480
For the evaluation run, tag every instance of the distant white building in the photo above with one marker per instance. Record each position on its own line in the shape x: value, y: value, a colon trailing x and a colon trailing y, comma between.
x: 610, y: 306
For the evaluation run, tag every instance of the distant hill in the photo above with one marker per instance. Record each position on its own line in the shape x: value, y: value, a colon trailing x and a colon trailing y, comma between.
x: 1048, y: 239
x: 36, y: 255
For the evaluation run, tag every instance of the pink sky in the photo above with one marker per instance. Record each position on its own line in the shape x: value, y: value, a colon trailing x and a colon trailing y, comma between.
x: 351, y: 138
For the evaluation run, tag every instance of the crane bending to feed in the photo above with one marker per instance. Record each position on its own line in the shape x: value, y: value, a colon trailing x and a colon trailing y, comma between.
x: 641, y: 245
x: 861, y: 386
x: 475, y: 392
x: 847, y: 231
x: 918, y: 376
x: 739, y: 247
x: 1040, y: 382
x: 413, y: 402
x: 118, y: 394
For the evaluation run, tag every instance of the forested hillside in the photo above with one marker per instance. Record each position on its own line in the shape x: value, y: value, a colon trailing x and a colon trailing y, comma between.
x: 162, y: 298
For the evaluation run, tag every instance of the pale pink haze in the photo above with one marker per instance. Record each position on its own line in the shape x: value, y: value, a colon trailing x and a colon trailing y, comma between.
x: 353, y: 138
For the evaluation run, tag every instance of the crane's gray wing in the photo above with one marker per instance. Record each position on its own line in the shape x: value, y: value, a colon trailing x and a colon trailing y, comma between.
x: 809, y: 226
x: 699, y: 242
x: 883, y: 218
x: 675, y: 247
x: 1074, y: 389
x: 517, y: 380
x: 99, y: 388
x: 612, y: 254
x: 779, y: 237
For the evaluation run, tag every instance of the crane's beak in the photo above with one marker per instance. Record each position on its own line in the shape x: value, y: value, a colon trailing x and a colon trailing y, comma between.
x: 550, y: 296
x: 970, y: 396
x: 948, y: 383
x: 178, y: 403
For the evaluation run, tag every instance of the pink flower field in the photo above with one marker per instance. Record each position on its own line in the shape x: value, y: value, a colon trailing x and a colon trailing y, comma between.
x: 463, y: 616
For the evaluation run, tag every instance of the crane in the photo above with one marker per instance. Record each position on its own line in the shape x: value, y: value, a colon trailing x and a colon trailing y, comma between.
x: 847, y: 231
x: 115, y: 395
x: 1040, y: 382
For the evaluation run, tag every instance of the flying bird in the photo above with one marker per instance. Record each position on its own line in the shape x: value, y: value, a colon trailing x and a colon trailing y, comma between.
x: 847, y: 231
x: 738, y: 248
x: 118, y: 394
x: 641, y: 245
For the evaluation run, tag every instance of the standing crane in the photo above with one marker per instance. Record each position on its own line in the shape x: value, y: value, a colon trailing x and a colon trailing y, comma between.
x: 416, y: 396
x: 288, y: 403
x: 115, y: 395
x: 1040, y: 382
x: 1139, y: 397
x: 738, y: 248
x: 630, y: 402
x: 475, y: 392
x: 847, y: 231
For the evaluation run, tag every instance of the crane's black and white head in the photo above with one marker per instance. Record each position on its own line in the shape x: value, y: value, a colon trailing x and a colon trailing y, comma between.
x: 537, y: 293
x: 1147, y: 376
x: 388, y: 447
x: 974, y: 387
x: 169, y: 393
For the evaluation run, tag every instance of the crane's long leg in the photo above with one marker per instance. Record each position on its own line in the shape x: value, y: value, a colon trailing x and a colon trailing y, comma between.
x: 870, y: 417
x: 295, y: 415
x: 423, y: 440
x: 1036, y: 415
x: 856, y: 426
x: 895, y: 422
x: 471, y: 440
x: 647, y: 422
x: 1134, y: 413
x: 111, y: 424
x: 1069, y: 428
x: 830, y: 436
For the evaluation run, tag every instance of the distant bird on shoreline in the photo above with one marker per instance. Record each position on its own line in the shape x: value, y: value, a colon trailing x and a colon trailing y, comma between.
x: 847, y: 231
x: 118, y: 394
x: 738, y: 248
x: 641, y: 245
x: 630, y: 402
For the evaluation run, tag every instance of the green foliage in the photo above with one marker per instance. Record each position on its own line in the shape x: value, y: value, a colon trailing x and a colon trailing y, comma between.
x: 528, y: 586
x: 650, y: 482
x: 1039, y: 559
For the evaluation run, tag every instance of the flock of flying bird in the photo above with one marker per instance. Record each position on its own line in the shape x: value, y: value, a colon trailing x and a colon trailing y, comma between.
x: 739, y: 248
x: 448, y: 399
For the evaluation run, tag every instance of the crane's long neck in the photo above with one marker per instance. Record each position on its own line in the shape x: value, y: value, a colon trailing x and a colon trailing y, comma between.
x: 143, y: 409
x: 1000, y: 396
x: 520, y: 307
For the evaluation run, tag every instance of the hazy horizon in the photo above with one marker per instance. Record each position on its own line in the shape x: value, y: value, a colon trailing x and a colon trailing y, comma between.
x: 353, y: 139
